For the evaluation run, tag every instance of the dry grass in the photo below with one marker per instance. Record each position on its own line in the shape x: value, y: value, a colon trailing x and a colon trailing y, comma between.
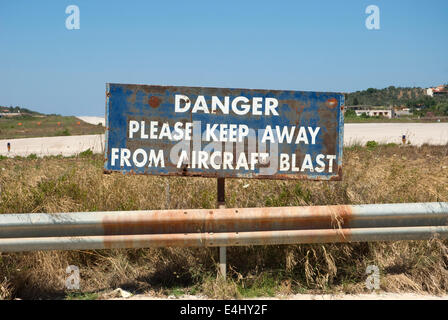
x: 385, y: 174
x: 5, y: 290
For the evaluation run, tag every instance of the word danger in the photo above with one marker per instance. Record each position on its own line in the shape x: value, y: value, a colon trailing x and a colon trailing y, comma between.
x: 239, y: 105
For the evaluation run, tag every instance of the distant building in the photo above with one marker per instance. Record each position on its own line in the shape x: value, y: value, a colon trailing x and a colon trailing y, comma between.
x: 9, y: 114
x: 386, y: 113
x: 440, y: 90
x: 402, y: 112
x: 371, y: 111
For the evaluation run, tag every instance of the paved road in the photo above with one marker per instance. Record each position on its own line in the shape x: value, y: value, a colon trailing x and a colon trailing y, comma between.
x: 66, y: 146
x: 416, y: 133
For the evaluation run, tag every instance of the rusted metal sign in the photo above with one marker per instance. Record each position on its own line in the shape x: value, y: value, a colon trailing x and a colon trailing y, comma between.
x: 219, y: 132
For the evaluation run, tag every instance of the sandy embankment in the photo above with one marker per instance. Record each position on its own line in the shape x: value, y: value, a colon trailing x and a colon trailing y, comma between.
x: 93, y: 120
x: 416, y: 133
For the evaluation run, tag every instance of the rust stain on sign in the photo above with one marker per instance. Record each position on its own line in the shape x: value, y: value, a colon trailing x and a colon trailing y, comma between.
x: 154, y: 102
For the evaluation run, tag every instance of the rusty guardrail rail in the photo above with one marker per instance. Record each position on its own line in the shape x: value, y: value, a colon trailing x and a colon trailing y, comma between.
x: 223, y: 227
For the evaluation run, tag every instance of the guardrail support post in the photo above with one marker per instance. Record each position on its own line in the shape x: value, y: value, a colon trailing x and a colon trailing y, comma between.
x: 222, y: 205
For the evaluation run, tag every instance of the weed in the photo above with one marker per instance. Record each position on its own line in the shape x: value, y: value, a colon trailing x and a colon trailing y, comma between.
x: 371, y: 144
x: 81, y: 296
x: 86, y: 153
x: 64, y: 132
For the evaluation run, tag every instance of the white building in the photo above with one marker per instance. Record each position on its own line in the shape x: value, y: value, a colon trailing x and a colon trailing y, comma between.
x: 402, y: 113
x: 10, y: 114
x: 437, y: 91
x: 386, y: 113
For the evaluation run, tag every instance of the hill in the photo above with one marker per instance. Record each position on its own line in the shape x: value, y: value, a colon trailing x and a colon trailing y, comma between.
x: 390, y: 96
x: 414, y: 98
x: 36, y: 125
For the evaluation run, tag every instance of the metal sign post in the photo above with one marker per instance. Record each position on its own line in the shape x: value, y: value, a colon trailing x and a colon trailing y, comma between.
x: 222, y: 205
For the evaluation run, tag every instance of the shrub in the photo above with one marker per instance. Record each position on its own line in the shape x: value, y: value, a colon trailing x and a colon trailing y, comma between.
x: 371, y: 144
x: 64, y: 132
x: 86, y: 153
x: 350, y: 113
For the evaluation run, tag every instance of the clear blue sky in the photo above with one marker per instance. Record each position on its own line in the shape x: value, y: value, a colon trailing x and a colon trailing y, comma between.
x: 298, y: 45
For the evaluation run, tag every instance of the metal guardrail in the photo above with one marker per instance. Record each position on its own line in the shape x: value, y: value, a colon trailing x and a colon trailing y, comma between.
x: 223, y: 227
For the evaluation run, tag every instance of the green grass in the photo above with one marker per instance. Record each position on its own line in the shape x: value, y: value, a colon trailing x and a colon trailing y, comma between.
x: 81, y: 296
x: 177, y: 291
x: 264, y: 286
x: 86, y: 153
x: 64, y: 132
x: 371, y: 144
x: 45, y: 126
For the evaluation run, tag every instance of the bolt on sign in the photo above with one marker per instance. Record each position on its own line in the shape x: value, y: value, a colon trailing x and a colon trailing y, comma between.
x: 220, y: 132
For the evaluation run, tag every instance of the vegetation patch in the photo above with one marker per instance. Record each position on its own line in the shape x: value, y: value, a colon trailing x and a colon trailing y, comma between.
x: 383, y: 174
x: 30, y: 126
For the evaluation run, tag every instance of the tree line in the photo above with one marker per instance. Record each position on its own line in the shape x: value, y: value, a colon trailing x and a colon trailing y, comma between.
x: 413, y: 98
